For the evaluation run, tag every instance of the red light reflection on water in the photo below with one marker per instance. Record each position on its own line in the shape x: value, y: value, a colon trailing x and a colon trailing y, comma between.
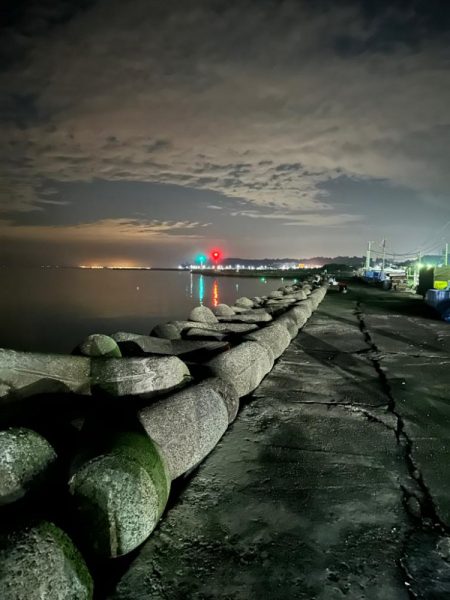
x: 215, y: 293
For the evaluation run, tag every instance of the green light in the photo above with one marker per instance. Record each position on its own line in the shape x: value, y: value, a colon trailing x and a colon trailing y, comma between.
x: 262, y: 279
x: 200, y: 258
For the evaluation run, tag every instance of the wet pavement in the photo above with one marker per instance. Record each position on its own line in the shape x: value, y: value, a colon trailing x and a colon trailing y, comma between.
x: 333, y: 482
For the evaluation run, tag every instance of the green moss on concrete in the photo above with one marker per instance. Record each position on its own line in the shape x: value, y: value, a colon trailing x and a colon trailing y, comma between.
x: 26, y: 459
x: 42, y: 562
x: 71, y: 553
x: 99, y: 344
x: 121, y: 494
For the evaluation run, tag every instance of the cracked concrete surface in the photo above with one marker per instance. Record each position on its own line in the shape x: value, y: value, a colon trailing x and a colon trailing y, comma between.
x: 333, y: 482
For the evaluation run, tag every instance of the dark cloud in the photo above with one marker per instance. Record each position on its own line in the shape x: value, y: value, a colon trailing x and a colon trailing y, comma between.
x: 271, y: 110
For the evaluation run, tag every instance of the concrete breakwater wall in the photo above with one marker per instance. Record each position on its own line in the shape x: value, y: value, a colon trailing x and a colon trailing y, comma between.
x: 107, y: 430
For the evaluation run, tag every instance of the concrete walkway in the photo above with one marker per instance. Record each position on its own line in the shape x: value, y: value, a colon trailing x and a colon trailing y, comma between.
x: 333, y: 482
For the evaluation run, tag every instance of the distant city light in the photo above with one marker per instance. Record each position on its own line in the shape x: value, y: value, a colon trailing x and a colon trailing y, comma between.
x: 118, y: 266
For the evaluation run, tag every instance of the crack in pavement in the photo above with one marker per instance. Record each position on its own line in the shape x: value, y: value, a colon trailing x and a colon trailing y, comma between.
x: 419, y: 504
x: 428, y: 507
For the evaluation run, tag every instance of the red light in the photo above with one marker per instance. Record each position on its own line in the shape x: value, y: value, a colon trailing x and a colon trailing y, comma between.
x: 215, y: 255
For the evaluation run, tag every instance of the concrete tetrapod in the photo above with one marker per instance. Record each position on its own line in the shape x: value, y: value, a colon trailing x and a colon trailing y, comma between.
x: 244, y: 366
x: 315, y: 298
x: 24, y: 374
x: 299, y: 295
x: 138, y: 376
x: 223, y: 310
x: 225, y: 327
x: 305, y: 307
x: 196, y: 332
x: 166, y: 331
x: 275, y: 338
x: 41, y: 562
x: 99, y: 344
x: 239, y: 310
x: 26, y: 459
x: 188, y: 425
x: 258, y: 315
x: 300, y: 314
x: 134, y: 344
x: 121, y: 493
x: 310, y: 302
x: 202, y: 314
x: 289, y: 322
x: 244, y: 302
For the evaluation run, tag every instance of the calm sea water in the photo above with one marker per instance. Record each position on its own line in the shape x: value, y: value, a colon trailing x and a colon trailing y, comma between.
x: 52, y: 310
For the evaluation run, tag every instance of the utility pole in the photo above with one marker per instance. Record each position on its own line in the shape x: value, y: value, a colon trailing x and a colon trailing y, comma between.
x: 446, y: 255
x: 417, y: 270
x: 383, y: 243
x: 369, y: 249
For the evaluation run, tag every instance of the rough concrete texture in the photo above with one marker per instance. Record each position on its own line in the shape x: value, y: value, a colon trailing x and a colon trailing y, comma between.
x: 314, y: 299
x: 166, y: 331
x: 220, y: 327
x: 298, y: 295
x: 289, y: 322
x: 222, y: 310
x: 238, y: 310
x: 120, y: 495
x: 197, y: 350
x: 300, y: 314
x: 228, y: 393
x: 333, y: 482
x: 195, y: 333
x: 26, y: 459
x: 281, y: 302
x: 259, y: 315
x: 202, y: 314
x: 275, y: 338
x: 244, y: 302
x: 186, y: 426
x: 305, y: 307
x: 276, y: 294
x: 138, y: 376
x: 134, y: 344
x: 311, y: 303
x: 99, y: 344
x: 24, y: 374
x: 243, y: 366
x: 41, y: 563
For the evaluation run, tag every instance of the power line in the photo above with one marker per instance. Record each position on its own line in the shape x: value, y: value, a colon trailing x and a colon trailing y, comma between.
x: 429, y: 249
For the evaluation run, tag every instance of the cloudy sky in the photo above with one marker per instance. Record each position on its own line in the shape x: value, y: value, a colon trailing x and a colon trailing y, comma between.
x: 145, y: 131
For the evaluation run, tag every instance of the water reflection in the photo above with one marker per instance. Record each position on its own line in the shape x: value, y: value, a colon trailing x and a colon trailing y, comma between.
x: 215, y: 293
x: 54, y: 309
x: 201, y: 289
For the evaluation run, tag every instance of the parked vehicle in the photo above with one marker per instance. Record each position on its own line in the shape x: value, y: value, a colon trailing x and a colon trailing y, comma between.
x: 434, y: 285
x: 440, y: 301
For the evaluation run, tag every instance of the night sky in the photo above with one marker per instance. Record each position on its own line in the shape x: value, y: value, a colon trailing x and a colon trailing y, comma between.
x: 145, y: 131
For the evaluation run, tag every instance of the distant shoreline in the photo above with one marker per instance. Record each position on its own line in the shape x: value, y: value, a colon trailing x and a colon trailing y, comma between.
x: 250, y: 273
